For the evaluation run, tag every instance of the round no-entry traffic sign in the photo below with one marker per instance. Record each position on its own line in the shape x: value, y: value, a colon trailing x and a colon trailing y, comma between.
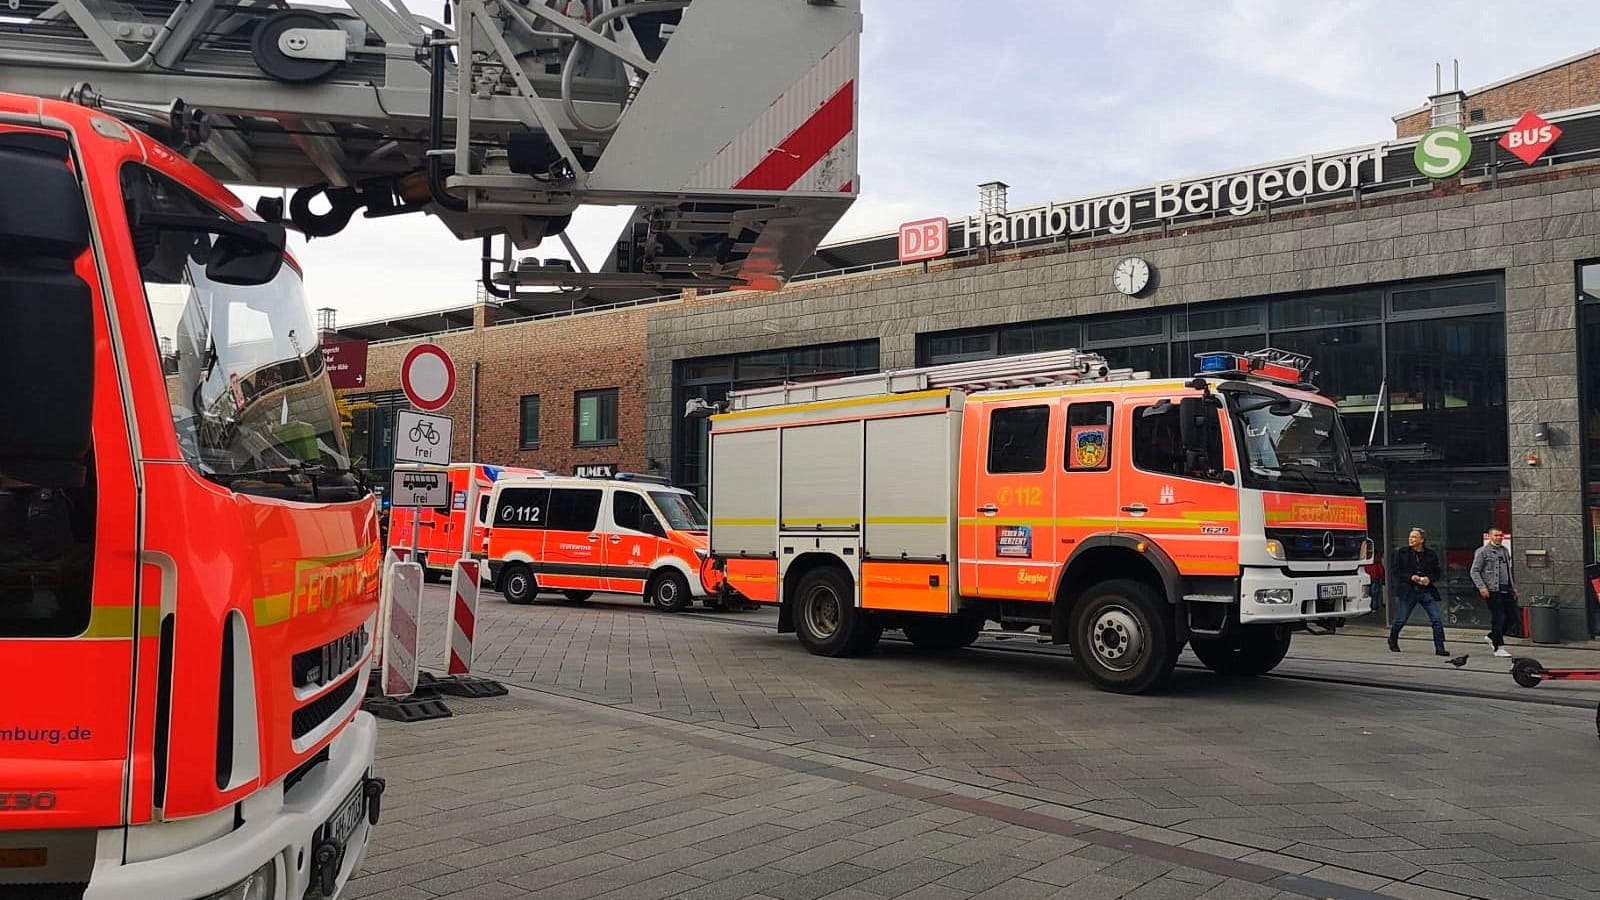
x: 428, y: 377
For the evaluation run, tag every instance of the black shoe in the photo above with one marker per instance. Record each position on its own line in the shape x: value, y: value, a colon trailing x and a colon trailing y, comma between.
x: 1440, y: 651
x: 1394, y: 646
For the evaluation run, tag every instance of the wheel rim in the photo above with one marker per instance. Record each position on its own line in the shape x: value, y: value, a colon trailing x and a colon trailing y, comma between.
x: 667, y: 592
x: 1117, y: 639
x: 822, y: 612
x: 517, y: 585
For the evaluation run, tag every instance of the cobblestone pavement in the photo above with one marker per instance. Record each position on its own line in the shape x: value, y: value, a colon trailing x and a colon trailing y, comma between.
x: 648, y: 755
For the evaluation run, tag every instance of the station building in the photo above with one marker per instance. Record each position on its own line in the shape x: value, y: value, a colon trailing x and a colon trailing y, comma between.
x: 1446, y: 283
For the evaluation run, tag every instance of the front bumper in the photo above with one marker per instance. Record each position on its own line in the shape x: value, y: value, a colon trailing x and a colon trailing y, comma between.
x: 1301, y: 591
x: 286, y: 834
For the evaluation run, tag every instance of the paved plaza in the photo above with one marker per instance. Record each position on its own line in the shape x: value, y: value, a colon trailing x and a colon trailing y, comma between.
x: 644, y: 755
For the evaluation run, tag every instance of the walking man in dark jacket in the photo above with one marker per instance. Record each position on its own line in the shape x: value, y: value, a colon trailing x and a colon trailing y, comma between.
x: 1412, y: 574
x: 1491, y: 575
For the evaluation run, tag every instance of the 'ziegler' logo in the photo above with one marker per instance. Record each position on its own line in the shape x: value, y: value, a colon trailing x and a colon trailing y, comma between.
x: 1026, y: 577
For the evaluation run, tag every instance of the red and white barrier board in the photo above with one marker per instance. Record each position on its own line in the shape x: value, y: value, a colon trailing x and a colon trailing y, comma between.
x: 403, y: 587
x: 462, y: 623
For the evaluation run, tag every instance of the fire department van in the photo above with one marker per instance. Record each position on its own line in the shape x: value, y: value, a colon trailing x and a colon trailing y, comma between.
x: 1125, y: 516
x: 582, y: 535
x: 439, y: 531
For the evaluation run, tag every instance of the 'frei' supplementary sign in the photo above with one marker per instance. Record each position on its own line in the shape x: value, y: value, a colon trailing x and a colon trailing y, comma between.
x: 1443, y: 151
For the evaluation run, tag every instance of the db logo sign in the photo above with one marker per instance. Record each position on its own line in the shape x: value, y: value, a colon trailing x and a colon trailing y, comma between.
x: 1528, y: 139
x: 925, y: 239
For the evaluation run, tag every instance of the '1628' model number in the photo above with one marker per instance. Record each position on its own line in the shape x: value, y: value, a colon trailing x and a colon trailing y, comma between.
x: 1215, y: 529
x: 16, y: 801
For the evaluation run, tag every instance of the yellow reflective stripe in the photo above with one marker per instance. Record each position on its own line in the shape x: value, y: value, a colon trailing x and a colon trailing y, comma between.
x: 113, y: 622
x: 743, y: 523
x: 830, y: 404
x: 760, y: 579
x: 1005, y: 520
x: 823, y: 520
x: 272, y: 610
x: 1095, y: 521
x: 907, y: 520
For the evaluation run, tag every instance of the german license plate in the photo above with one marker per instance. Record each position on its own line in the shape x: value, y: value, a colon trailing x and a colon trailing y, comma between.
x: 347, y: 817
x: 1333, y: 591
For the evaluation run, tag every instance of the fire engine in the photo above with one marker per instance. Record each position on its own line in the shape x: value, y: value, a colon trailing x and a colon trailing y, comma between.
x: 188, y: 565
x: 1123, y: 515
x: 439, y: 535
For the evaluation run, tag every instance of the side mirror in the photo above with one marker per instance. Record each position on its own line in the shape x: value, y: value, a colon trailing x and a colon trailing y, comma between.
x: 1162, y: 407
x: 46, y: 315
x: 247, y: 261
x: 244, y: 253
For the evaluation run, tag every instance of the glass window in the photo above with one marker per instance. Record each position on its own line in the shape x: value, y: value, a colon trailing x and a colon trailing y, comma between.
x: 596, y: 417
x: 1125, y: 328
x: 46, y: 557
x: 628, y: 511
x: 1158, y: 446
x: 1039, y: 338
x: 1589, y: 281
x: 253, y: 408
x: 1447, y: 387
x: 1292, y: 446
x: 763, y: 366
x: 522, y: 508
x: 959, y: 348
x: 1420, y: 299
x: 1150, y: 358
x: 1018, y: 436
x: 483, y: 509
x: 697, y: 370
x: 1349, y: 365
x: 530, y: 422
x: 1088, y: 437
x: 682, y: 512
x: 1326, y: 309
x: 1230, y: 318
x: 574, y: 509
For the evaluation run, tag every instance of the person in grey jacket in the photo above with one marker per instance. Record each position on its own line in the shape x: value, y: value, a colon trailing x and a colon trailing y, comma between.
x: 1491, y: 574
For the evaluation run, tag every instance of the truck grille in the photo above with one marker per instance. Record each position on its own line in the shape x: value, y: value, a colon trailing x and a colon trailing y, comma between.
x: 1312, y: 544
x: 323, y: 665
x: 308, y: 717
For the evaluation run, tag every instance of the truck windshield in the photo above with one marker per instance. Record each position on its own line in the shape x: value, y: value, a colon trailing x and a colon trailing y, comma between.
x: 1292, y: 446
x: 253, y: 409
x: 682, y: 511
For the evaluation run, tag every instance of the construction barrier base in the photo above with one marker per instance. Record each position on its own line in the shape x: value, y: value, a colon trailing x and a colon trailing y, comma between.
x: 464, y: 686
x: 421, y: 706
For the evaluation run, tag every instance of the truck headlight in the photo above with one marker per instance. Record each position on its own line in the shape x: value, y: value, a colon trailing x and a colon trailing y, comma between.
x: 1274, y: 549
x: 1275, y: 596
x: 259, y: 885
x: 1367, y: 550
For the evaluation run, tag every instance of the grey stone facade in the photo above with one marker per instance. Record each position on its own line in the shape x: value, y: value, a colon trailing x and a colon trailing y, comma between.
x: 1533, y: 233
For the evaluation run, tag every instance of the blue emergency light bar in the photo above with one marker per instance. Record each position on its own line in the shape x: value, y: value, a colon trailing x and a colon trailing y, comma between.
x: 1275, y: 365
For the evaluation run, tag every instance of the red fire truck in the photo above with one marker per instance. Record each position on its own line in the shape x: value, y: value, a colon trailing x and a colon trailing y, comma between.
x: 439, y: 532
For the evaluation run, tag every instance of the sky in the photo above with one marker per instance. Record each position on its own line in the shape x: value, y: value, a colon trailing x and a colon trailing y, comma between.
x: 1059, y: 99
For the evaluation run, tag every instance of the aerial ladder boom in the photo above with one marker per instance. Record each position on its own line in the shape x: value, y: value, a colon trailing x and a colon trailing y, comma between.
x: 729, y: 125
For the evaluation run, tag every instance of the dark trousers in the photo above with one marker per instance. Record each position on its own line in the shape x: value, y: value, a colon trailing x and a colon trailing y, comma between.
x: 1410, y: 599
x: 1502, y: 612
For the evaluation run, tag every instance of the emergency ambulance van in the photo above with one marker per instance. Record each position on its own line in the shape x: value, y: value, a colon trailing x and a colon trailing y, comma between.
x: 1125, y: 516
x: 582, y: 535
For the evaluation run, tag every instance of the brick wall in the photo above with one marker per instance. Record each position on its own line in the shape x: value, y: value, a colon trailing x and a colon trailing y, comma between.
x: 553, y: 358
x: 1571, y: 86
x: 1533, y: 231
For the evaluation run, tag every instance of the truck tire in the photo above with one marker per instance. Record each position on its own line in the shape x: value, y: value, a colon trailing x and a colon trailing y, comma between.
x: 826, y: 618
x: 577, y: 596
x: 1253, y: 650
x: 1124, y: 637
x: 943, y: 633
x: 518, y: 584
x: 668, y: 591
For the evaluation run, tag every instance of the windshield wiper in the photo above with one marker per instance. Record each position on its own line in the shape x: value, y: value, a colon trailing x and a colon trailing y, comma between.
x: 1295, y: 468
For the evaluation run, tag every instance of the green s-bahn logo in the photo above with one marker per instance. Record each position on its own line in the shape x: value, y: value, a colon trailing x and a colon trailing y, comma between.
x: 1443, y: 151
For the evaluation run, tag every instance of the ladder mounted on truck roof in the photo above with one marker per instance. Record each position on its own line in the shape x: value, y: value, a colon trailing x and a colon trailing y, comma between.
x: 1027, y: 370
x: 729, y: 125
